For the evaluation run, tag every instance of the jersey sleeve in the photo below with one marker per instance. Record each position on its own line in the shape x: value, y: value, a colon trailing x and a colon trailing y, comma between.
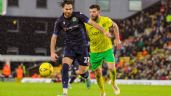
x: 57, y: 28
x: 83, y: 17
x: 109, y: 22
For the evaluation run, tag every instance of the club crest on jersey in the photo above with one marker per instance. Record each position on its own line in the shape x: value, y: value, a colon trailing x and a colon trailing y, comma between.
x: 74, y: 19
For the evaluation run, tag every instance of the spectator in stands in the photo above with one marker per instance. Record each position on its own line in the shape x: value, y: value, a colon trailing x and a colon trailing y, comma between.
x: 35, y: 75
x: 19, y: 73
x: 6, y: 71
x: 147, y: 44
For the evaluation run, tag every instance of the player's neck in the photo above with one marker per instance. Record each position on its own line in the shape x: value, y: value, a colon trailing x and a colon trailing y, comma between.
x: 67, y: 17
x: 98, y: 19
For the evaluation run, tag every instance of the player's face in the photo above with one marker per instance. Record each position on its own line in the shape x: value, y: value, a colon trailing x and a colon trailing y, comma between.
x: 94, y: 14
x: 67, y: 10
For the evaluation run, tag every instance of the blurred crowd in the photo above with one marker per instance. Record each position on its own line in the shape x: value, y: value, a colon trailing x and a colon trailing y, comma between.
x: 146, y: 47
x: 18, y: 72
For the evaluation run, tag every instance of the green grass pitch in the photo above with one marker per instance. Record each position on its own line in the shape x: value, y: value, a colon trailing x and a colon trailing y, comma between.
x: 79, y: 89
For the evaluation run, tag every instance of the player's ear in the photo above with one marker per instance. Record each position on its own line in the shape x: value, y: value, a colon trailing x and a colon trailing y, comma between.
x: 99, y: 11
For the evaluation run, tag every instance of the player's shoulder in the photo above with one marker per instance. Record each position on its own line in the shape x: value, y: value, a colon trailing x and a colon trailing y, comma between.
x: 87, y: 26
x: 60, y: 19
x: 76, y: 13
x: 105, y: 18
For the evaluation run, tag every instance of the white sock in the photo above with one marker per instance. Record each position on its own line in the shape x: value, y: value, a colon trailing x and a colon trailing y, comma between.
x: 65, y: 90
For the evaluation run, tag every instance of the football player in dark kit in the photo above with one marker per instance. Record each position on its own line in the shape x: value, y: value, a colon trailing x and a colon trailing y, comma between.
x: 72, y: 24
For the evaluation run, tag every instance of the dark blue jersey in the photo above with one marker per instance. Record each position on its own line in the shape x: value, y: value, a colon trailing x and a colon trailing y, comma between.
x: 73, y: 29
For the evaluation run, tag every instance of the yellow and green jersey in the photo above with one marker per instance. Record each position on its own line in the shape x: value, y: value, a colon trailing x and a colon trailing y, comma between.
x: 98, y: 41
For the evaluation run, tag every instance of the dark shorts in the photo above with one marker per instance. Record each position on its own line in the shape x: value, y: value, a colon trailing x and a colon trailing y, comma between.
x: 74, y: 67
x: 77, y: 53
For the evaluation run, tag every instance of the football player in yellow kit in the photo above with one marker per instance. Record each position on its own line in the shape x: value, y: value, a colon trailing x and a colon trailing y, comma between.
x: 101, y: 48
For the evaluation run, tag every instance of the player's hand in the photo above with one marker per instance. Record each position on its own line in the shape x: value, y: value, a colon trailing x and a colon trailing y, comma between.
x: 117, y: 43
x: 54, y: 56
x: 107, y: 34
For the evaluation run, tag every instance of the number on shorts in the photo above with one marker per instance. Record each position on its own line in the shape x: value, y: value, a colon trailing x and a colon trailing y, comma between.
x: 86, y: 59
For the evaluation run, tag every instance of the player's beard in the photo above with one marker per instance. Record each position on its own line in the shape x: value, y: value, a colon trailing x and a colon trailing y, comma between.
x: 95, y: 18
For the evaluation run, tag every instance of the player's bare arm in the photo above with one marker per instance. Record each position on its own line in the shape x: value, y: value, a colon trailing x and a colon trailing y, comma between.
x: 54, y: 56
x: 117, y: 40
